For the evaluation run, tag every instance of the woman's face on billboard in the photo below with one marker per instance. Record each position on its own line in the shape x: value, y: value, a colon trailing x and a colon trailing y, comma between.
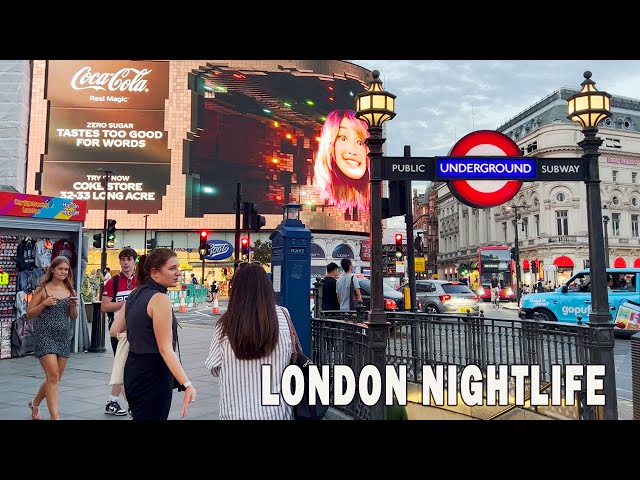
x: 350, y: 151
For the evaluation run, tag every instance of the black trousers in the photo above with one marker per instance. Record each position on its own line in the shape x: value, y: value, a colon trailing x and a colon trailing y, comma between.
x: 149, y: 386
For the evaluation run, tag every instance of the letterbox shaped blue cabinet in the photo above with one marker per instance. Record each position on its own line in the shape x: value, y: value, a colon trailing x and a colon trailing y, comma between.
x: 291, y: 271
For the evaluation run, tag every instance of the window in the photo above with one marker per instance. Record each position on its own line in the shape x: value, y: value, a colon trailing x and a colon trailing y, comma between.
x: 536, y: 221
x: 536, y: 202
x: 634, y: 202
x: 614, y: 175
x: 615, y: 224
x: 634, y: 175
x: 612, y: 143
x: 562, y: 222
x: 532, y: 147
x: 560, y: 197
x: 615, y: 200
x: 525, y: 227
x: 504, y: 231
x: 634, y: 226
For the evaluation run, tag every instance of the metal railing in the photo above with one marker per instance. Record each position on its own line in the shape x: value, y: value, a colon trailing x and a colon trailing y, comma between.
x: 418, y: 339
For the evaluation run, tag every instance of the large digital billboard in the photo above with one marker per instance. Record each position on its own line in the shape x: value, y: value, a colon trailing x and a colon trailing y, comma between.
x: 287, y: 136
x: 107, y: 115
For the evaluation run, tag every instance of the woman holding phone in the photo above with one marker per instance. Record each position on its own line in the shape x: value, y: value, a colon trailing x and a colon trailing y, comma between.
x: 54, y: 302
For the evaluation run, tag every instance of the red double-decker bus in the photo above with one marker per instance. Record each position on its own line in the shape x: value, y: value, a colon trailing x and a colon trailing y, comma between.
x: 495, y: 259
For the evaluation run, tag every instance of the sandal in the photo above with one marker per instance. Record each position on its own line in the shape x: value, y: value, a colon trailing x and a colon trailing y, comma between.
x: 32, y: 405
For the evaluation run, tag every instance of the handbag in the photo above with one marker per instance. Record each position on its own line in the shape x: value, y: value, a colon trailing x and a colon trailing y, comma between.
x: 353, y: 301
x: 304, y: 410
x: 122, y: 352
x: 23, y: 338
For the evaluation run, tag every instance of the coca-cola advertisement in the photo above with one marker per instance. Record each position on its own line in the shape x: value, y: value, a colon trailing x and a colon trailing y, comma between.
x: 98, y: 135
x: 123, y: 84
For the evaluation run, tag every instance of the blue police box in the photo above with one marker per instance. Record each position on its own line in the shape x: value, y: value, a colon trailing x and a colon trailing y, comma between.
x: 291, y: 271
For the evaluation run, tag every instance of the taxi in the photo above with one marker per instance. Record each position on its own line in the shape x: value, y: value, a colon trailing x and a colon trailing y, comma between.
x: 573, y: 299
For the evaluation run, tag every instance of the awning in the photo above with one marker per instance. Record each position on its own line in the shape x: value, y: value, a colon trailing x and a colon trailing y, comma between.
x: 619, y: 262
x: 563, y: 262
x: 526, y: 264
x: 636, y: 263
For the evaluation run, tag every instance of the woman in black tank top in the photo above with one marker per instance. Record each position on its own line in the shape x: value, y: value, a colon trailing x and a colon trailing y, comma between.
x: 152, y: 363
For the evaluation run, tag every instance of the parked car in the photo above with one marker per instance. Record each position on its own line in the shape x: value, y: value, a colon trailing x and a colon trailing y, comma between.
x: 573, y: 298
x: 442, y: 296
x: 393, y: 299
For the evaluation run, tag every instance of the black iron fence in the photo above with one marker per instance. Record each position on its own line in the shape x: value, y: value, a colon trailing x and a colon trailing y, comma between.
x: 419, y: 339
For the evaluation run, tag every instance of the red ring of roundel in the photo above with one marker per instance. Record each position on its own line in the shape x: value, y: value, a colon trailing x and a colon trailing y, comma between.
x: 461, y: 188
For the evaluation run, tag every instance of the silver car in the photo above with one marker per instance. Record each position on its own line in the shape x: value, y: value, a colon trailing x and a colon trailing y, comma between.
x: 442, y: 296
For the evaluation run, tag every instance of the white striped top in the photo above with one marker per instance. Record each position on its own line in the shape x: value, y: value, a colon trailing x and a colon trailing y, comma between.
x: 241, y: 380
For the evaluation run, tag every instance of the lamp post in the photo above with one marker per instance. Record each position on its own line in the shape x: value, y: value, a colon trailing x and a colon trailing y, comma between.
x: 517, y: 250
x: 605, y: 221
x: 589, y: 107
x: 376, y: 106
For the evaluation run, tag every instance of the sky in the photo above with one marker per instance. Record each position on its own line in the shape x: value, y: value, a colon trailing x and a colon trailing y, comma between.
x: 440, y: 101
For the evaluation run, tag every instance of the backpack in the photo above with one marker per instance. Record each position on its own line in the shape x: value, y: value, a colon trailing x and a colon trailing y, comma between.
x: 353, y: 301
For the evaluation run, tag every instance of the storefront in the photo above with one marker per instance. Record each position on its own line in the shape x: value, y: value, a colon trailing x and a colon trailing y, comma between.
x: 33, y: 230
x: 564, y: 269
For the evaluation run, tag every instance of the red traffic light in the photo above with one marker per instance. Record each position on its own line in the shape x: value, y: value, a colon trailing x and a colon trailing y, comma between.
x: 244, y: 241
x: 398, y: 239
x: 203, y: 234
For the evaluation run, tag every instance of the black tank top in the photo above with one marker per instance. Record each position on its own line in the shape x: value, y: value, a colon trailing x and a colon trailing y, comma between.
x: 139, y: 324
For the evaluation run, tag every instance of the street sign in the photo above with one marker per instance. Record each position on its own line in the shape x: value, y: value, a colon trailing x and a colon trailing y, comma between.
x: 484, y: 193
x: 419, y: 264
x: 560, y: 169
x: 485, y: 168
x: 402, y: 168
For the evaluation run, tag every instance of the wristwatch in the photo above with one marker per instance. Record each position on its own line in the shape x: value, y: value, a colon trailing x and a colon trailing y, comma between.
x: 186, y: 384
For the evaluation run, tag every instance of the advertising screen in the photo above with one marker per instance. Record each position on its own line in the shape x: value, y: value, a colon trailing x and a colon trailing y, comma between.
x: 107, y: 115
x: 286, y: 137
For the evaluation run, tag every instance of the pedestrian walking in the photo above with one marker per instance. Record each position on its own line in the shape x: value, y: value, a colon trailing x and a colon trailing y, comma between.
x: 116, y: 291
x: 54, y: 302
x: 329, y: 293
x: 347, y: 287
x: 252, y: 332
x: 152, y: 365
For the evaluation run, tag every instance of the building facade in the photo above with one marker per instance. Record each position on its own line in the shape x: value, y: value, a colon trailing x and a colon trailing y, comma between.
x: 177, y: 137
x: 552, y: 219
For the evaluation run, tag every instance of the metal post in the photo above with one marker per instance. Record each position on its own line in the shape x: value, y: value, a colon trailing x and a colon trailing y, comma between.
x: 238, y: 207
x: 600, y: 319
x: 605, y: 219
x: 103, y: 259
x: 377, y: 318
x: 408, y: 220
x: 202, y: 281
x: 145, y: 233
x: 517, y: 259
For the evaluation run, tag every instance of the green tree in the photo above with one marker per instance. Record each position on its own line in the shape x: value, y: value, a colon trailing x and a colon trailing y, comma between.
x: 262, y: 252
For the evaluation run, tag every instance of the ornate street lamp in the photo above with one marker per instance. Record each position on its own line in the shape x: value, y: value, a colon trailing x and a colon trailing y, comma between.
x: 376, y: 106
x: 589, y: 107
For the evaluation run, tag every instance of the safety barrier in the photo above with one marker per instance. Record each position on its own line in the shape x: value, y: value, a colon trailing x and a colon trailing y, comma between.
x: 192, y: 294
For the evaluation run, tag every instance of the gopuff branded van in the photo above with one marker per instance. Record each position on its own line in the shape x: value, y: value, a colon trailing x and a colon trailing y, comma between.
x: 574, y: 298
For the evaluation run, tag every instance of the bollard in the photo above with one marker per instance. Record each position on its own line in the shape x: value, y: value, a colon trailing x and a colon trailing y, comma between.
x: 216, y: 309
x: 183, y: 304
x: 98, y: 327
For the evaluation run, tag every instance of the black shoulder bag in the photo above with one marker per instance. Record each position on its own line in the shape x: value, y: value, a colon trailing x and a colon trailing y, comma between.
x: 304, y: 410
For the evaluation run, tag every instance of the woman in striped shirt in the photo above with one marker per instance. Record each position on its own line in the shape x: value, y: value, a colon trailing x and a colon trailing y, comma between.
x: 252, y: 332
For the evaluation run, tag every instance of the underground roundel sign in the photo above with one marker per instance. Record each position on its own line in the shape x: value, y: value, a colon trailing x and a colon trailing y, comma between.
x: 484, y: 193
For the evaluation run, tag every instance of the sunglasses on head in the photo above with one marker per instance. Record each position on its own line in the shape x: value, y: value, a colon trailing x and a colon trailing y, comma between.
x: 255, y: 262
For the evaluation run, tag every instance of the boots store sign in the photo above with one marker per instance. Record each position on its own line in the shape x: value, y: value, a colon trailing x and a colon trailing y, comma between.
x: 108, y: 115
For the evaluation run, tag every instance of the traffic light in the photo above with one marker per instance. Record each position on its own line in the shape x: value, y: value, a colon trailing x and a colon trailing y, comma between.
x: 417, y: 245
x: 398, y: 238
x: 152, y: 243
x: 97, y: 240
x: 514, y: 253
x: 244, y: 246
x: 203, y: 250
x: 250, y: 218
x: 396, y: 204
x: 111, y: 233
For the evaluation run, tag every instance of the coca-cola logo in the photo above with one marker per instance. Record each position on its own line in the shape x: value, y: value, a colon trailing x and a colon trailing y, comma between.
x: 124, y: 80
x: 219, y: 250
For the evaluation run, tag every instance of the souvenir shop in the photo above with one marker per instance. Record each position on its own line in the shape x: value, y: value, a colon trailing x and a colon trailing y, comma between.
x: 33, y: 230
